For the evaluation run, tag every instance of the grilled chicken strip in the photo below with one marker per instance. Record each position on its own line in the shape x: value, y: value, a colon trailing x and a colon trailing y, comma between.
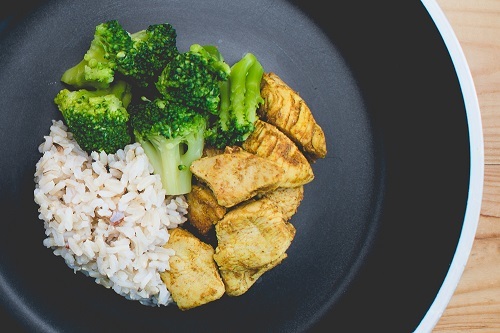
x: 252, y: 239
x: 285, y: 108
x: 287, y: 199
x: 268, y: 141
x: 237, y: 175
x: 203, y: 210
x: 193, y: 278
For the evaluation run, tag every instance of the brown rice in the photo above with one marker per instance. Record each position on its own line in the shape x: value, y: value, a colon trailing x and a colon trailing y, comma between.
x: 107, y: 215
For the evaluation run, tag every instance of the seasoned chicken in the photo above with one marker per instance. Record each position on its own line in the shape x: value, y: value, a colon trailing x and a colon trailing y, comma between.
x: 193, y: 278
x: 287, y: 199
x: 211, y: 151
x: 252, y: 238
x: 203, y: 210
x: 237, y: 175
x: 268, y: 141
x: 287, y: 110
x: 239, y: 281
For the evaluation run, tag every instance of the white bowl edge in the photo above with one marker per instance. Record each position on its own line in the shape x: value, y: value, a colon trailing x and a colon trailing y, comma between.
x: 476, y: 179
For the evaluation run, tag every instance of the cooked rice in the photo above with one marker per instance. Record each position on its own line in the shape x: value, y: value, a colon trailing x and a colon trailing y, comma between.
x: 107, y: 215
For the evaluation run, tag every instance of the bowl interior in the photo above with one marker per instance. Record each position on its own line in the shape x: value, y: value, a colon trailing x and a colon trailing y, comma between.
x: 380, y: 221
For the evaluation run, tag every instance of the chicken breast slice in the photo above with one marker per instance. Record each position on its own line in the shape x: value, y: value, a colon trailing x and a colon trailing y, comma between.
x: 252, y: 239
x: 193, y: 278
x: 268, y: 141
x: 203, y: 211
x: 237, y: 175
x: 287, y: 199
x: 238, y: 282
x: 287, y: 110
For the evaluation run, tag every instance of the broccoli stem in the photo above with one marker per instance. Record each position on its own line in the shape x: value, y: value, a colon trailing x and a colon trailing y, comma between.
x: 237, y: 80
x: 76, y: 75
x: 168, y: 163
x: 123, y: 91
x: 252, y: 94
x: 171, y: 159
x: 225, y: 104
x: 239, y: 99
x: 193, y: 147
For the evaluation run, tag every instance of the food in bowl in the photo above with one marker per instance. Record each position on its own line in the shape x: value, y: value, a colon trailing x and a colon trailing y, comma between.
x: 173, y: 182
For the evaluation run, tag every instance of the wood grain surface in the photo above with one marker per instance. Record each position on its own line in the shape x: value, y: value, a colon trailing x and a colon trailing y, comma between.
x: 475, y: 305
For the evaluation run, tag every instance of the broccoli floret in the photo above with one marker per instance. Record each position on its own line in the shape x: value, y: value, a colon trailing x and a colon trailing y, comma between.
x: 192, y: 78
x: 215, y: 59
x: 110, y: 46
x: 98, y: 119
x: 239, y: 99
x: 153, y: 48
x: 172, y: 136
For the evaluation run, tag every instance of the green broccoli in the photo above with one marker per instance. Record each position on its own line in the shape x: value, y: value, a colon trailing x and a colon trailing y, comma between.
x: 140, y: 56
x: 152, y: 49
x: 98, y: 119
x: 215, y: 59
x: 192, y: 78
x: 239, y: 99
x: 110, y: 46
x: 172, y: 136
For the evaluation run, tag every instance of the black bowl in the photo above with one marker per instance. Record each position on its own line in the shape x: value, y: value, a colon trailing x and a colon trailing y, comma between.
x: 392, y: 210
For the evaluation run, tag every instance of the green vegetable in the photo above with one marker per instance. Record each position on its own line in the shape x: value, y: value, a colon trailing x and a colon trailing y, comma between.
x: 153, y: 48
x: 197, y: 98
x: 215, y: 59
x: 192, y: 79
x: 172, y: 136
x: 98, y: 119
x: 239, y: 99
x: 110, y: 46
x: 171, y: 126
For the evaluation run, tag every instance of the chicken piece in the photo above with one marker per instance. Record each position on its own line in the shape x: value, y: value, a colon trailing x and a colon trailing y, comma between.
x: 252, y: 239
x: 238, y: 282
x: 287, y: 199
x: 203, y: 210
x: 211, y: 151
x: 193, y: 278
x: 237, y: 175
x: 287, y: 110
x: 268, y: 141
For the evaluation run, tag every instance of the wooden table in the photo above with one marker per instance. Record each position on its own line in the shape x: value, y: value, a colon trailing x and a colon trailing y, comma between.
x: 475, y: 305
